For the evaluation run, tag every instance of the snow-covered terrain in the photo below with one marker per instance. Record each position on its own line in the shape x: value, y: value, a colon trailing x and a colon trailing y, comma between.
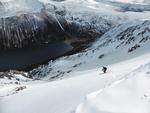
x: 75, y: 83
x: 133, y: 1
x: 129, y: 95
x: 120, y: 43
x: 11, y: 82
x: 63, y: 96
x: 104, y: 16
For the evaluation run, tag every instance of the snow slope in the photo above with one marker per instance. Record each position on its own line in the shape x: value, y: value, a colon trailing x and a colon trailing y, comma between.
x: 123, y: 42
x: 12, y: 82
x: 129, y: 95
x: 124, y: 49
x: 63, y: 96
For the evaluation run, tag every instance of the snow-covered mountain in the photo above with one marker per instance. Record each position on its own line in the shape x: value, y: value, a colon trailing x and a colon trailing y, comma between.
x: 75, y: 83
x: 40, y: 20
x: 120, y: 43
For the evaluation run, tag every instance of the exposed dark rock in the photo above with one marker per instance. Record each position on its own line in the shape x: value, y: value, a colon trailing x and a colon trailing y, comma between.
x: 10, y: 74
x: 101, y: 56
x: 76, y: 65
x: 133, y: 48
x: 29, y: 30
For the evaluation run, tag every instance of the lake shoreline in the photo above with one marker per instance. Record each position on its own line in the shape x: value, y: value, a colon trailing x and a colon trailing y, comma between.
x: 26, y: 59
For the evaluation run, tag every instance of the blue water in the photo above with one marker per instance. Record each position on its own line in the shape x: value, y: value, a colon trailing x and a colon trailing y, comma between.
x: 23, y: 58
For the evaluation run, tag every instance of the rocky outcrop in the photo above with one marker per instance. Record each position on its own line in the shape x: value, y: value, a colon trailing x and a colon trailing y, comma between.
x: 29, y: 30
x: 128, y: 33
x: 49, y: 24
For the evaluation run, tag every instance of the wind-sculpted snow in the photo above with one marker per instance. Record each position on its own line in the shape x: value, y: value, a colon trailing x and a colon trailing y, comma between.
x: 63, y: 96
x: 129, y: 95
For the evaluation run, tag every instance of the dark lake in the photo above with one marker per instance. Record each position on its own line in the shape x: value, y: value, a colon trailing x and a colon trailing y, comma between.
x: 27, y: 57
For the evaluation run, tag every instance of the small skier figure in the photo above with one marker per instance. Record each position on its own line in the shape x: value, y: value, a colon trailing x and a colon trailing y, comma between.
x: 104, y: 69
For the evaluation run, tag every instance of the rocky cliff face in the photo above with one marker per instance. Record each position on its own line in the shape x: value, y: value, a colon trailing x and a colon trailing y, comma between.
x: 29, y: 30
x: 44, y: 23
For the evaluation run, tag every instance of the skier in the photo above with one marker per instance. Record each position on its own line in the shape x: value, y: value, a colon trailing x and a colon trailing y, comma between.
x: 104, y: 69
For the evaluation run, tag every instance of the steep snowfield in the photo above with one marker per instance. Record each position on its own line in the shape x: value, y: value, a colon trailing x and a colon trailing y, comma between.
x: 123, y: 42
x: 124, y: 49
x: 63, y: 96
x: 129, y: 95
x: 126, y: 52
